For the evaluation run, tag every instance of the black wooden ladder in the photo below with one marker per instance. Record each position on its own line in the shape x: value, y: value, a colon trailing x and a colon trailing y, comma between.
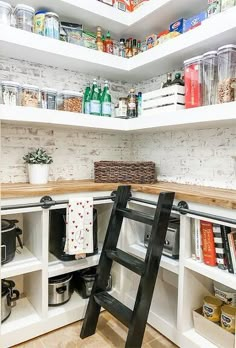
x: 135, y: 320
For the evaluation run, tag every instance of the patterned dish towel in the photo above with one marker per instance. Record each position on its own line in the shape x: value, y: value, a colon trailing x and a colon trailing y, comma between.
x: 79, y: 227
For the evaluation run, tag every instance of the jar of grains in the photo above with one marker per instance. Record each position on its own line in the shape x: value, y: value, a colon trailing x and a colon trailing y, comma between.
x: 30, y: 96
x: 210, y: 72
x: 10, y: 93
x: 24, y: 16
x: 70, y: 101
x: 48, y: 98
x: 51, y: 25
x: 193, y: 82
x: 5, y: 13
x: 227, y: 73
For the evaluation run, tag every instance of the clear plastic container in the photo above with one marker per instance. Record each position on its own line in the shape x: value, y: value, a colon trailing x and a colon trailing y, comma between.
x: 24, y: 16
x: 48, y: 98
x: 10, y: 93
x: 5, y: 13
x: 52, y: 25
x: 70, y: 101
x: 30, y: 96
x: 210, y: 80
x: 227, y: 73
x: 193, y: 82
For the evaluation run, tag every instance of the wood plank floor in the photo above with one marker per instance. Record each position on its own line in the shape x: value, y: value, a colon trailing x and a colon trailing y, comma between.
x: 110, y: 333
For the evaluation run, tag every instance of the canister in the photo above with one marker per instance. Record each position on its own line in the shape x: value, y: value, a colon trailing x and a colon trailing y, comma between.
x: 5, y: 13
x: 70, y: 101
x: 228, y: 318
x: 48, y: 98
x: 193, y: 82
x: 30, y: 95
x: 24, y: 17
x: 39, y: 19
x: 10, y: 93
x: 51, y: 25
x: 210, y: 71
x: 227, y: 73
x: 212, y: 308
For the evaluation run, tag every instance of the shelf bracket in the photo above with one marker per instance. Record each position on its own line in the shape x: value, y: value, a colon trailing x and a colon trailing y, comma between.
x: 183, y: 205
x: 47, y: 202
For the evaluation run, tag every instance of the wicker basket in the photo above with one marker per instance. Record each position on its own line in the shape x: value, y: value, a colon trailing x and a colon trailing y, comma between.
x: 125, y: 172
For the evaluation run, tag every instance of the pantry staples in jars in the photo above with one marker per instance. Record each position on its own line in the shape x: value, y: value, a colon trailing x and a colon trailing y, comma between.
x: 30, y: 96
x: 227, y: 73
x: 71, y: 101
x: 10, y: 93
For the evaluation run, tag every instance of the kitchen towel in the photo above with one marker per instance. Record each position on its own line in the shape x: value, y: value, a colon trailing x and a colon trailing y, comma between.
x: 79, y: 227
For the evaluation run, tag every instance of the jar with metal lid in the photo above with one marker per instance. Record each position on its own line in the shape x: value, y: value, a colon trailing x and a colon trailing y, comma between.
x: 48, y: 98
x: 39, y: 19
x: 121, y: 110
x: 10, y: 93
x: 5, y: 13
x: 30, y: 96
x: 210, y: 71
x: 227, y: 320
x: 70, y: 101
x: 24, y: 17
x: 52, y: 25
x: 227, y: 73
x: 193, y: 82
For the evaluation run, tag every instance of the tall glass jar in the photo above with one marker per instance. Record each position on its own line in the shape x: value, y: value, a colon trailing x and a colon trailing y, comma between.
x: 210, y: 80
x: 70, y: 101
x: 24, y: 16
x: 48, y: 98
x: 51, y: 25
x: 193, y: 82
x: 5, y: 13
x: 10, y: 93
x: 30, y: 96
x: 227, y: 73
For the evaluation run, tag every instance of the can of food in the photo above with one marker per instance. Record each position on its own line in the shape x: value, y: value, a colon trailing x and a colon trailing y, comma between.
x: 224, y: 293
x: 228, y: 318
x: 39, y: 19
x: 212, y: 308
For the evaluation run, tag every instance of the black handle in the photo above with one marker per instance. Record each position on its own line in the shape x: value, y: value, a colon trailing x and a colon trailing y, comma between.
x: 61, y: 290
x: 16, y: 296
x: 18, y: 233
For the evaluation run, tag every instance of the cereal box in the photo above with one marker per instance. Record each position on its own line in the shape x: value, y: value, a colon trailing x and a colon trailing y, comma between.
x: 194, y: 21
x: 178, y: 25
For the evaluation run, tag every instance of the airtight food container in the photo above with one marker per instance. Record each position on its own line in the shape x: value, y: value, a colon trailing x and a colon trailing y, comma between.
x: 24, y: 16
x: 48, y: 98
x: 10, y: 93
x: 5, y: 13
x: 30, y: 96
x: 70, y: 101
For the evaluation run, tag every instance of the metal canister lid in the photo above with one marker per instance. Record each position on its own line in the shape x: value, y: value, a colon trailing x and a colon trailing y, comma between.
x: 213, y: 301
x: 210, y: 53
x: 33, y: 87
x: 24, y: 7
x: 226, y: 47
x: 10, y: 83
x: 192, y: 60
x: 49, y: 90
x: 72, y: 93
x: 52, y: 14
x: 5, y: 5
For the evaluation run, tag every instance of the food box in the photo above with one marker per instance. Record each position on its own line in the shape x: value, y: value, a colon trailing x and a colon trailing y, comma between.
x: 89, y: 40
x: 71, y: 32
x: 211, y: 331
x: 178, y: 26
x: 214, y: 7
x: 124, y: 5
x: 151, y: 41
x: 194, y: 21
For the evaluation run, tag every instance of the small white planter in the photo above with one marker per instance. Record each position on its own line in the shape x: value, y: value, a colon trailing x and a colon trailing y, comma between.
x: 38, y: 173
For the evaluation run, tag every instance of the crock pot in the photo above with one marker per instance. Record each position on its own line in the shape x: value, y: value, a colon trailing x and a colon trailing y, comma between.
x: 8, y: 298
x: 9, y: 232
x: 60, y: 289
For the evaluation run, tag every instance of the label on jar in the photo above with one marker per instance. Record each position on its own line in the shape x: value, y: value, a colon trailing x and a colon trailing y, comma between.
x: 211, y: 312
x: 87, y: 107
x: 95, y: 107
x: 106, y: 109
x: 228, y: 322
x: 109, y: 48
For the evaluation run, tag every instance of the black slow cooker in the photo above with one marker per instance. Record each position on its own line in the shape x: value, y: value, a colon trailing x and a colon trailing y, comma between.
x: 9, y: 232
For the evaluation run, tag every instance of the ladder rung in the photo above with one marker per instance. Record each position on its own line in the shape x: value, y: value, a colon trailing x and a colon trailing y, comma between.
x: 136, y: 215
x: 126, y: 260
x: 115, y: 307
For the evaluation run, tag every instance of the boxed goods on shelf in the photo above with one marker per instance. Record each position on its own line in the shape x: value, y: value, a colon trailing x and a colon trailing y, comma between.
x: 169, y: 98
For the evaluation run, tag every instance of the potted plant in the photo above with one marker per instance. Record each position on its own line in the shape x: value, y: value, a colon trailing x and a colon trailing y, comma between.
x: 38, y: 166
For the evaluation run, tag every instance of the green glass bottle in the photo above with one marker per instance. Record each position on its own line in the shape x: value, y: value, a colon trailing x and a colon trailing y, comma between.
x: 95, y: 103
x: 106, y: 101
x: 87, y: 95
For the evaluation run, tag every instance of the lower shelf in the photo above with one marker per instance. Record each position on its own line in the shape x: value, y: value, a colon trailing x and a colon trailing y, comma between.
x: 192, y: 339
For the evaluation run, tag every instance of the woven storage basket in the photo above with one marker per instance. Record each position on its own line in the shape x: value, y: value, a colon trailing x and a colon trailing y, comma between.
x: 125, y: 172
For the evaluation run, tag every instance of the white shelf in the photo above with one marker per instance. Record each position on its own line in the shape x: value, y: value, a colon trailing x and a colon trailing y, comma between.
x: 213, y: 273
x: 23, y: 263
x: 204, y: 117
x: 57, y: 267
x: 194, y: 340
x: 167, y: 263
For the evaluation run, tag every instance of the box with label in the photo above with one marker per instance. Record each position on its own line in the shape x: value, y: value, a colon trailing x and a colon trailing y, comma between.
x: 124, y: 5
x: 211, y: 331
x: 194, y: 21
x: 178, y: 26
x: 214, y: 7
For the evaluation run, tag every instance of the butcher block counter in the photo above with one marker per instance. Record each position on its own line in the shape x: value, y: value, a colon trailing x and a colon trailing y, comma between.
x: 191, y: 193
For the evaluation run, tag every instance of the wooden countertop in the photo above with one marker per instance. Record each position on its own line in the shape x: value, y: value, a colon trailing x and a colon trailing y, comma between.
x: 191, y: 193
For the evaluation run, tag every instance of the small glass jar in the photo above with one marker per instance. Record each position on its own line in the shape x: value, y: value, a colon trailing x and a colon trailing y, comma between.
x: 5, y: 13
x: 30, y: 96
x: 10, y: 93
x: 210, y: 72
x: 52, y: 25
x: 24, y: 16
x: 70, y: 101
x: 116, y: 46
x: 48, y: 98
x: 227, y: 73
x: 193, y: 82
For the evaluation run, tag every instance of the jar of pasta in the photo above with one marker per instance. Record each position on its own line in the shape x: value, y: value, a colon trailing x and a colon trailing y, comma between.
x: 70, y: 101
x: 30, y: 96
x: 10, y: 93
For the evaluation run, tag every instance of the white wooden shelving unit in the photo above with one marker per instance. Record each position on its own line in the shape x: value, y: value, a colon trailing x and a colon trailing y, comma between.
x: 181, y: 284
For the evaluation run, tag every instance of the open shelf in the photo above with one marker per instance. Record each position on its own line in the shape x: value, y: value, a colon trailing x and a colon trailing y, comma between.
x: 167, y: 263
x: 213, y: 273
x: 23, y: 262
x: 192, y: 339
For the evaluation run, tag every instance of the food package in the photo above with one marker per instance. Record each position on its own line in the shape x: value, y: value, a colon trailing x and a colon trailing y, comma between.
x: 89, y: 40
x: 138, y: 3
x: 151, y: 41
x: 194, y: 21
x: 178, y: 26
x: 71, y: 32
x: 124, y: 5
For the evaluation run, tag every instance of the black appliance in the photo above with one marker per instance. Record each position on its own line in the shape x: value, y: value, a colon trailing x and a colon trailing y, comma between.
x: 171, y: 247
x: 83, y: 281
x: 57, y: 234
x: 8, y: 298
x: 9, y: 233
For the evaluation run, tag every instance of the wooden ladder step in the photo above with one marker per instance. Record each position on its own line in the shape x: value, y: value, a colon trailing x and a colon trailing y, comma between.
x: 115, y: 307
x: 131, y: 262
x: 136, y: 215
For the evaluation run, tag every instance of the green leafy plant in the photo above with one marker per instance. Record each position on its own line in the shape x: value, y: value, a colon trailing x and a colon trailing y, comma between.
x: 38, y: 156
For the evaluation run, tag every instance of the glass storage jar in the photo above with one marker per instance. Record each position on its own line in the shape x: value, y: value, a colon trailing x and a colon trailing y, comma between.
x: 210, y: 80
x: 10, y: 93
x: 30, y: 96
x: 24, y: 16
x: 51, y: 25
x: 5, y: 13
x: 227, y: 73
x: 48, y: 98
x: 193, y: 82
x: 70, y: 101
